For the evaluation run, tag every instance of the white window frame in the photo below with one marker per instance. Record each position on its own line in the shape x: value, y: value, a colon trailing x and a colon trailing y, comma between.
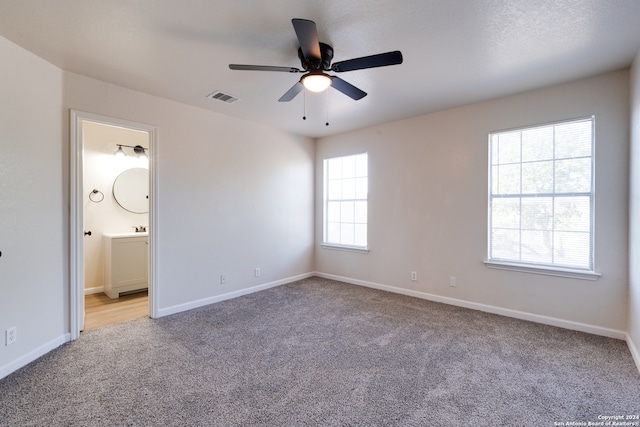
x: 325, y: 214
x: 532, y: 266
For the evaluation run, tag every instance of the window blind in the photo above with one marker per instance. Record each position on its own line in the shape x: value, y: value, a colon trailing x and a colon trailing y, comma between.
x: 345, y: 200
x: 541, y: 195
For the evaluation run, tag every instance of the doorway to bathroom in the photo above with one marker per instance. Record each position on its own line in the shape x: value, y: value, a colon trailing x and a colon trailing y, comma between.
x: 112, y: 221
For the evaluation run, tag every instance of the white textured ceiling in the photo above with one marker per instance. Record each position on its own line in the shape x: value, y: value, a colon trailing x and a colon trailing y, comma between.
x: 455, y: 51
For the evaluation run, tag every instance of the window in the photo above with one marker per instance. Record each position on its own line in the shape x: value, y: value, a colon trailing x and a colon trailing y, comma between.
x: 345, y: 201
x: 541, y: 196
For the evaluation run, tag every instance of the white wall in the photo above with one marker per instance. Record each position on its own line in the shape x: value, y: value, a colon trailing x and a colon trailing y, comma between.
x: 101, y: 168
x: 33, y: 220
x: 428, y: 207
x: 232, y: 195
x: 634, y: 215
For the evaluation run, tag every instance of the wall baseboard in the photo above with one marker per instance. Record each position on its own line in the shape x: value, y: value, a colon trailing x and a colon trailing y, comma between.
x: 218, y: 298
x: 596, y: 330
x: 552, y: 321
x: 33, y: 355
x: 635, y: 351
x: 96, y: 290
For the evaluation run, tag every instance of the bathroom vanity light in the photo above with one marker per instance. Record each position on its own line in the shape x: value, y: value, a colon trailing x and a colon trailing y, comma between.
x: 139, y: 150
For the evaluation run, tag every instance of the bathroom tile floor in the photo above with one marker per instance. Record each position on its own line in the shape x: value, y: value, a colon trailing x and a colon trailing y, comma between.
x: 100, y: 310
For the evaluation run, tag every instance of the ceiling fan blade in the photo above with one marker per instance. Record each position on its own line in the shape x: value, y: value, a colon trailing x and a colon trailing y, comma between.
x: 373, y: 61
x: 347, y: 88
x: 264, y: 68
x: 291, y: 93
x: 308, y: 39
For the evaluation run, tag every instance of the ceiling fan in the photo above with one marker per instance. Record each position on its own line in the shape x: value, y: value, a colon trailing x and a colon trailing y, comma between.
x: 316, y: 57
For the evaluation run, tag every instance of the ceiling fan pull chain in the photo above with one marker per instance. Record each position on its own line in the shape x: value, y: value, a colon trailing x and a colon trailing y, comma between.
x: 304, y: 106
x: 327, y: 102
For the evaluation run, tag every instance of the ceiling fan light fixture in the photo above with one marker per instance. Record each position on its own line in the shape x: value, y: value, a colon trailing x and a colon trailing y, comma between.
x: 316, y: 82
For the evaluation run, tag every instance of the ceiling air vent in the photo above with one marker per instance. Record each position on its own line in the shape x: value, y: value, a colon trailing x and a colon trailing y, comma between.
x: 224, y: 97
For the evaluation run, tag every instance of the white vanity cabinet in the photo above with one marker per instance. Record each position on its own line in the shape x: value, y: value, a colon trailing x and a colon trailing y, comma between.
x: 126, y: 262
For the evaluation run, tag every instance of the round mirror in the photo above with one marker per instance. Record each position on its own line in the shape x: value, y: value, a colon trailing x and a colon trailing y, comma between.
x: 131, y: 190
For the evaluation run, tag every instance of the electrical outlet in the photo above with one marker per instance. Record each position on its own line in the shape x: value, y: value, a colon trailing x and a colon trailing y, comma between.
x: 256, y: 271
x: 453, y: 282
x: 11, y: 335
x: 223, y: 279
x: 414, y: 276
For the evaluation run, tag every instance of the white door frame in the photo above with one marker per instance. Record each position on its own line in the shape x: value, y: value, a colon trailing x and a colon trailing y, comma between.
x: 76, y: 226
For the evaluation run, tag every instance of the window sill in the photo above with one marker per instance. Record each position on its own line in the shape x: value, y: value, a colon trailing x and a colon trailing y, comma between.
x: 357, y: 249
x: 548, y: 271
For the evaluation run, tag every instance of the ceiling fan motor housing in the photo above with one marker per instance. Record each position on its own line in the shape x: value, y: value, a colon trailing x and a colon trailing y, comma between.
x: 309, y: 64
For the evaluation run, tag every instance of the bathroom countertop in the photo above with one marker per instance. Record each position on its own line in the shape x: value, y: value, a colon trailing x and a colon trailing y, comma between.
x: 128, y: 234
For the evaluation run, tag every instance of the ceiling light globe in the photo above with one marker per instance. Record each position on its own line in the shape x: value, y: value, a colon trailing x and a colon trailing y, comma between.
x: 316, y: 82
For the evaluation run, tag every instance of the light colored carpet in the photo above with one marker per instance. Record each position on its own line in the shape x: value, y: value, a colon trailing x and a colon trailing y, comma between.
x: 325, y: 353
